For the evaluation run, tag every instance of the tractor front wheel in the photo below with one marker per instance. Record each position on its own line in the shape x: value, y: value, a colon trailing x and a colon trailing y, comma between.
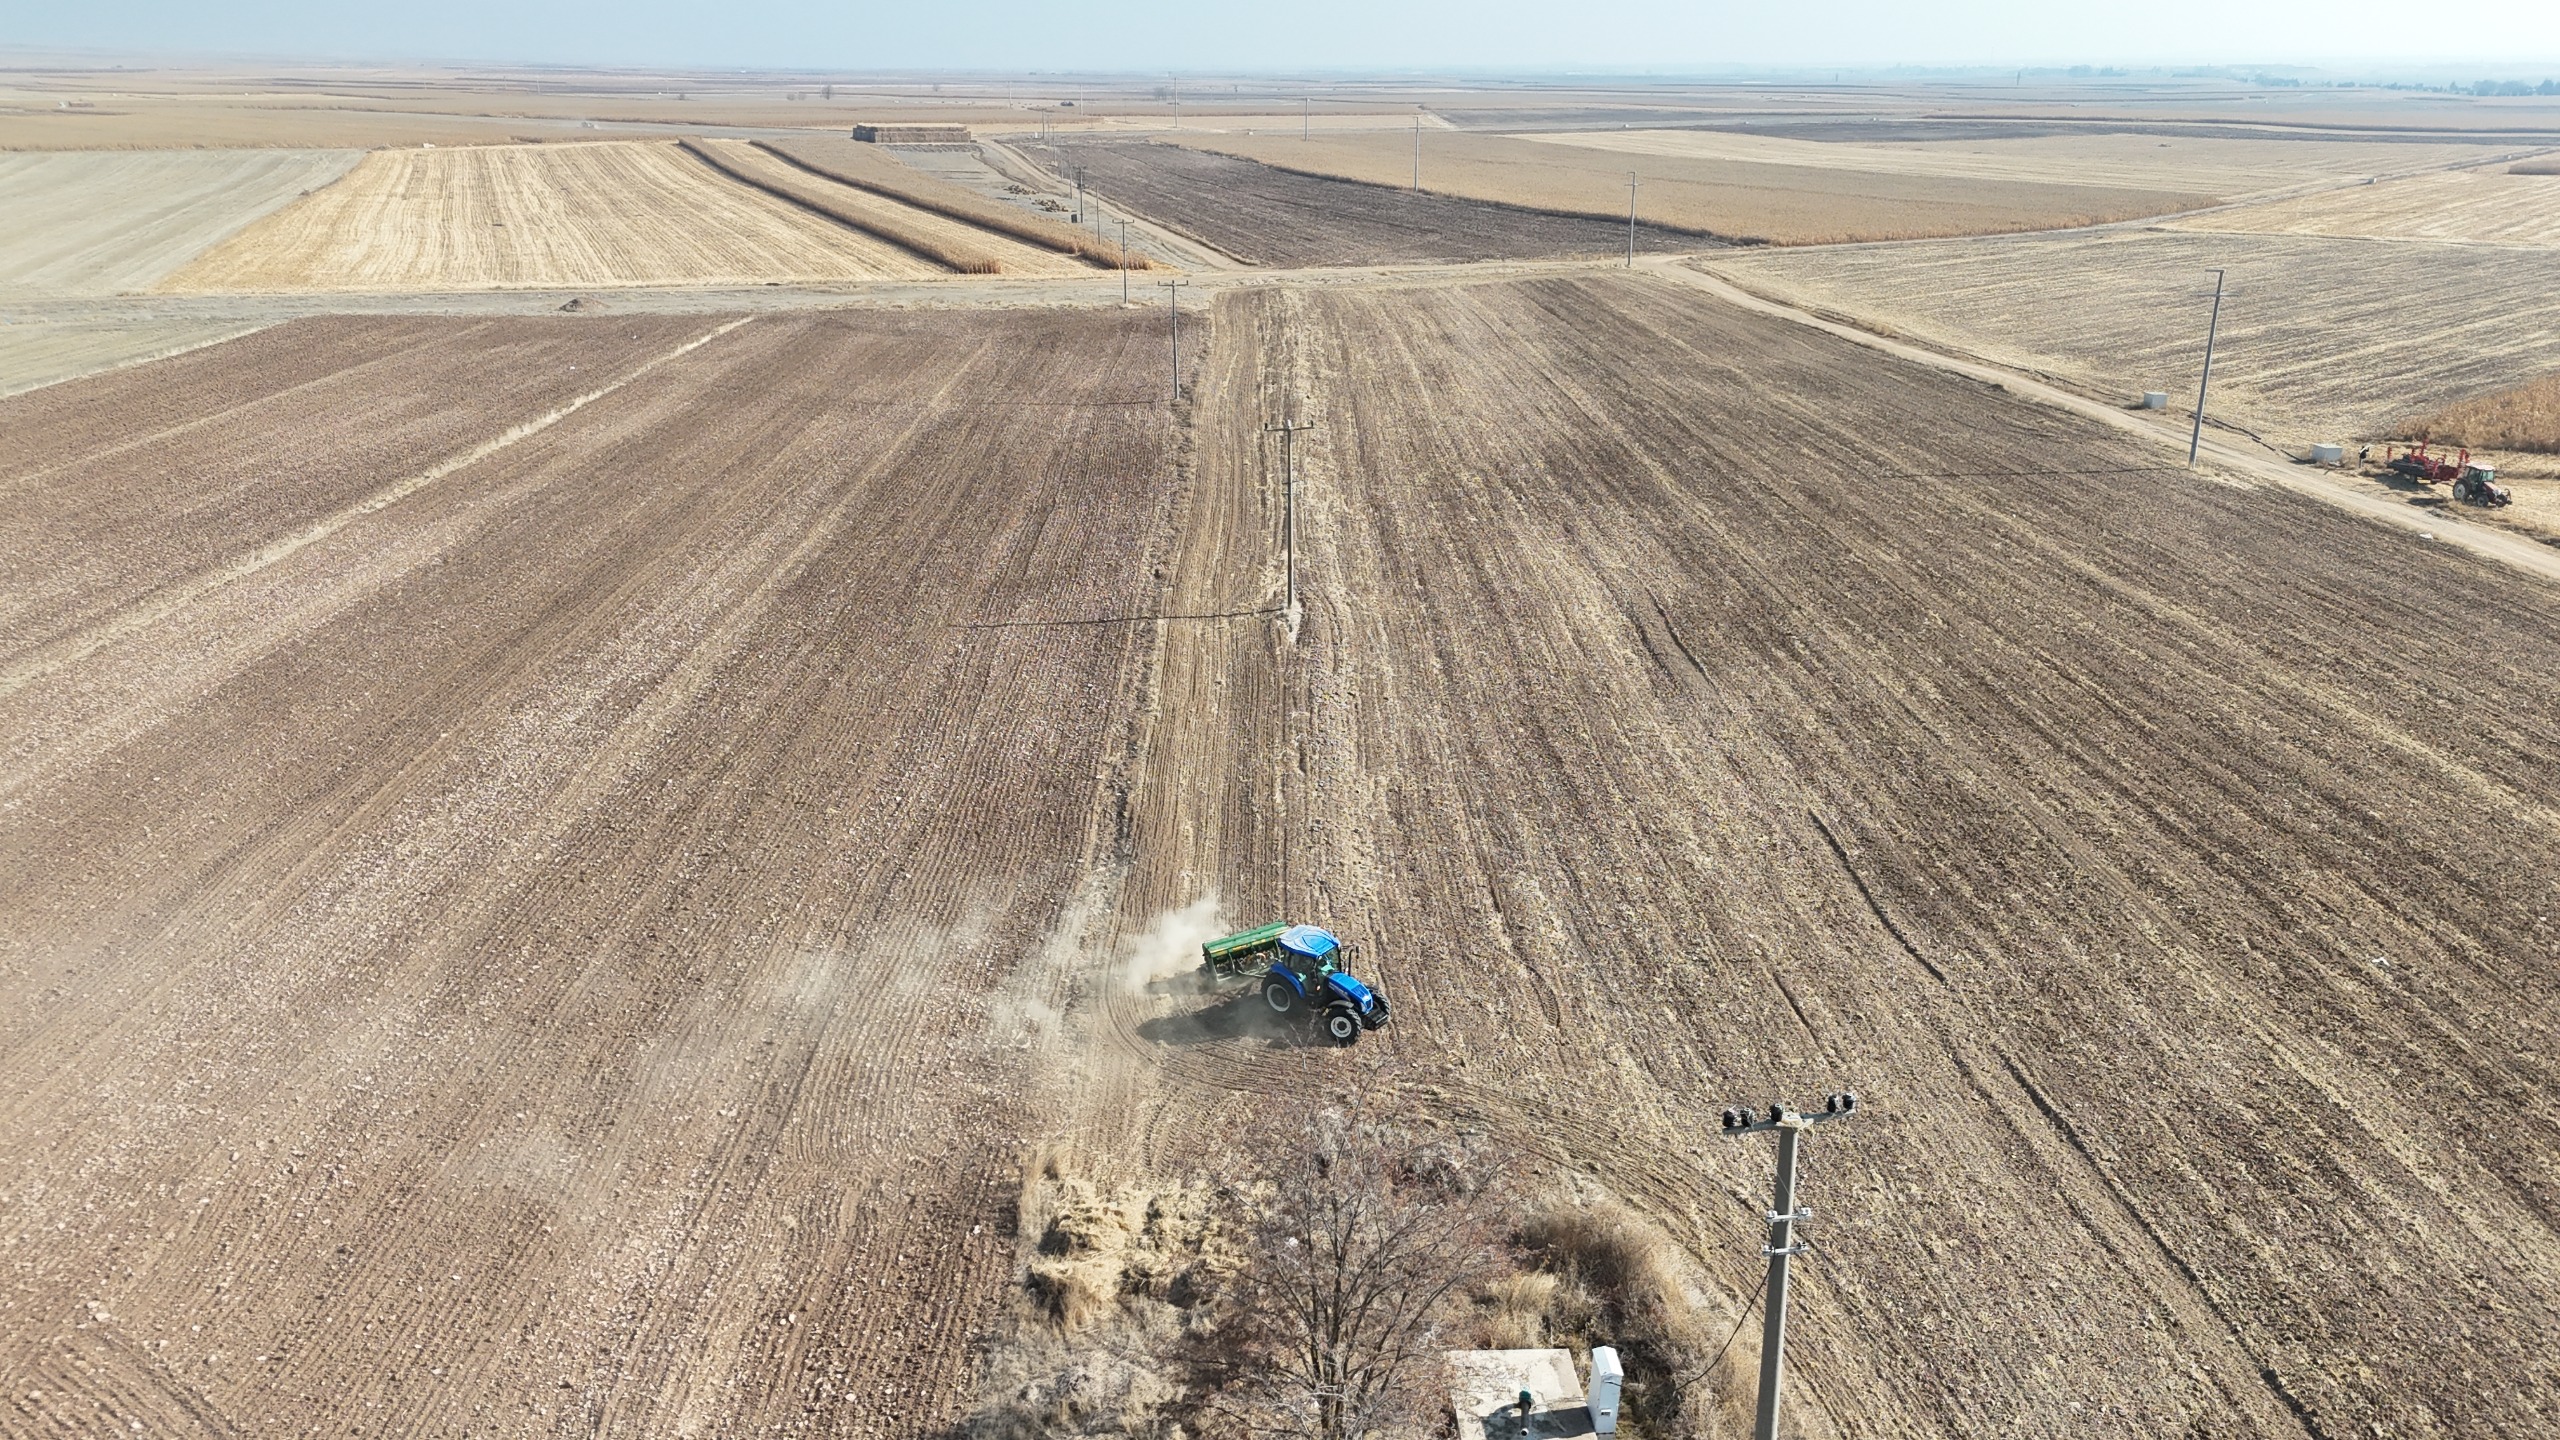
x: 1278, y: 995
x: 1342, y: 1025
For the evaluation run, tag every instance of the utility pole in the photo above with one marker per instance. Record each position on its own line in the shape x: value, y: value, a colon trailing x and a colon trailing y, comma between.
x: 1173, y: 312
x: 1124, y: 259
x: 1631, y: 219
x: 1288, y: 433
x: 1307, y: 117
x: 1417, y: 154
x: 2212, y: 327
x: 1782, y: 1246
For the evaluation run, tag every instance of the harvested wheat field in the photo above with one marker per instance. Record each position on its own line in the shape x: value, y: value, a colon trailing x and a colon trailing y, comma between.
x: 74, y: 223
x: 540, y: 216
x: 2322, y: 339
x: 1694, y: 709
x: 1783, y: 204
x: 1267, y: 216
x: 2472, y: 207
x: 517, y: 912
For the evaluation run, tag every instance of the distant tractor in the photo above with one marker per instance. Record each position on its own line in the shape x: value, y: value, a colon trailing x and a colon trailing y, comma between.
x: 2479, y: 486
x: 1300, y: 970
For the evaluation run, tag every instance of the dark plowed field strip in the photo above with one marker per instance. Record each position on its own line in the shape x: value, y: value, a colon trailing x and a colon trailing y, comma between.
x: 1695, y: 709
x: 566, y: 966
x: 1268, y: 216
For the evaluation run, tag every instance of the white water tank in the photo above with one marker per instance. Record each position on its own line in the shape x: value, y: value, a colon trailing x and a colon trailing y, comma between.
x: 2155, y: 399
x: 2328, y: 454
x: 1607, y: 1378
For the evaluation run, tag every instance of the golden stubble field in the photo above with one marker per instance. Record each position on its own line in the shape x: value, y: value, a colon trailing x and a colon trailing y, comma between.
x: 606, y: 213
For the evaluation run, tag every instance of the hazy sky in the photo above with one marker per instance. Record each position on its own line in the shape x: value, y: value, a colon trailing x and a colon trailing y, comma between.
x: 1125, y: 35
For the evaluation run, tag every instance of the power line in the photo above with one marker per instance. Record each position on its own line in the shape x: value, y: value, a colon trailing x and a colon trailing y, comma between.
x: 1783, y: 1246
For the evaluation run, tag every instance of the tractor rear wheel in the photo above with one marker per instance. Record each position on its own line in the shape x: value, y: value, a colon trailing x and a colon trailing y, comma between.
x: 1278, y: 995
x: 1341, y: 1024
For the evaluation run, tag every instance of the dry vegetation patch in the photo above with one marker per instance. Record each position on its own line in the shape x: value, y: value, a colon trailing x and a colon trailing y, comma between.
x: 504, y: 216
x: 1738, y: 199
x: 2526, y: 418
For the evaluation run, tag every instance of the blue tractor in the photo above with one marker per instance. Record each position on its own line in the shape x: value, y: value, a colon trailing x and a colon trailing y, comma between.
x: 1300, y: 967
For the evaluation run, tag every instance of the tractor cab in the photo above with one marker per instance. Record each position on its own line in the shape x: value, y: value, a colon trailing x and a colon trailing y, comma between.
x: 1300, y: 967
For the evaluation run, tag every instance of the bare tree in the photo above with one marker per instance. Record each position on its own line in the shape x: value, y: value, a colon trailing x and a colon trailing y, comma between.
x: 1366, y: 1245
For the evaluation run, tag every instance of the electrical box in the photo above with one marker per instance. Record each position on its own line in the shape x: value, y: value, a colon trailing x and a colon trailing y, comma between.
x: 1608, y: 1377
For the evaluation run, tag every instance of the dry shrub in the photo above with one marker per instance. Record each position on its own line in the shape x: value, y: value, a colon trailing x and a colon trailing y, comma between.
x: 1615, y: 1278
x: 2526, y: 417
x: 865, y: 167
x: 1116, y: 1289
x: 762, y: 171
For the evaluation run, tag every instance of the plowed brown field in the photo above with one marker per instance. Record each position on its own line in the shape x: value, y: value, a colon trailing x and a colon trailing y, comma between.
x: 1691, y: 709
x: 521, y: 946
x: 554, y: 902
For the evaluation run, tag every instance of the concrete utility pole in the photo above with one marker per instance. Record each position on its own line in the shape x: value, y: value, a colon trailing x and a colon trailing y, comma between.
x: 1124, y: 259
x: 1173, y: 312
x: 1307, y: 118
x: 2212, y: 327
x: 1288, y: 433
x: 1631, y: 219
x: 1417, y: 154
x: 1782, y: 1246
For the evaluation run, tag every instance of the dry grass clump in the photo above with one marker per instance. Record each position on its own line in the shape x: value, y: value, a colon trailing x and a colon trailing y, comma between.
x: 2524, y: 417
x: 750, y: 166
x: 1600, y: 1274
x: 865, y: 167
x: 1116, y: 1289
x: 1742, y: 200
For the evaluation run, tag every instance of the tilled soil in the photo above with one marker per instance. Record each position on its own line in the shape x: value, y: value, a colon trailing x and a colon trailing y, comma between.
x: 1266, y: 216
x: 1691, y: 710
x: 537, y: 902
x: 555, y: 946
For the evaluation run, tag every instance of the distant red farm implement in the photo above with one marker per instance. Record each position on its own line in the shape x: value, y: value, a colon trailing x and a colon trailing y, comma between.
x: 2472, y: 484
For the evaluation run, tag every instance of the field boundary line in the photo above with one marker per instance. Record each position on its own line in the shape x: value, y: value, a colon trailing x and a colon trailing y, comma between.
x: 2513, y: 551
x: 50, y: 658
